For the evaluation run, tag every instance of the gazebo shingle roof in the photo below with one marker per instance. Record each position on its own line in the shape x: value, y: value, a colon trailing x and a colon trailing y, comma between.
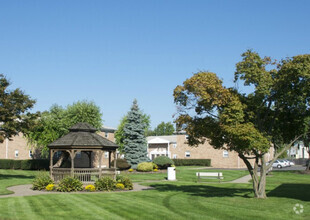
x: 83, y: 135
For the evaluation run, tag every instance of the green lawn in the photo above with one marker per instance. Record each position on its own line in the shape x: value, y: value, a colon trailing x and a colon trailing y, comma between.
x: 187, y: 174
x: 170, y: 200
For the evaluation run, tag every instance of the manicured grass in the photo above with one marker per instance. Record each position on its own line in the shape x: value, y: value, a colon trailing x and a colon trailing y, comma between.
x: 14, y: 177
x: 188, y: 174
x: 171, y: 200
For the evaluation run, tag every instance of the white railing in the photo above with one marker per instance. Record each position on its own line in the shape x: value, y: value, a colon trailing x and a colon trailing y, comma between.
x: 86, y: 175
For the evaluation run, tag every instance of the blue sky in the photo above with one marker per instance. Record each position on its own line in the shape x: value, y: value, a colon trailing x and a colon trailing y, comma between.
x: 111, y: 52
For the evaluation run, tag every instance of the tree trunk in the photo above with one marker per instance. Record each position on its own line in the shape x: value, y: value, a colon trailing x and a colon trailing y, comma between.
x: 259, y: 183
x: 63, y: 157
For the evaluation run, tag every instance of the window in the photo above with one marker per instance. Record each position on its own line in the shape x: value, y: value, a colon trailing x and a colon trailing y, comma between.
x: 225, y: 153
x: 187, y: 154
x: 16, y: 153
x: 174, y: 145
x: 174, y: 156
x: 106, y: 154
x: 186, y: 137
x: 78, y: 154
x: 30, y: 154
x: 106, y: 134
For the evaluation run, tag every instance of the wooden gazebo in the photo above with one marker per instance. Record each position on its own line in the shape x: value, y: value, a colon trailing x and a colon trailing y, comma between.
x: 82, y: 137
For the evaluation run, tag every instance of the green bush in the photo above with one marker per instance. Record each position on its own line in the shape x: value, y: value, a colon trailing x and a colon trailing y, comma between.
x: 163, y: 162
x: 126, y: 181
x: 105, y: 183
x: 192, y: 162
x: 145, y: 167
x: 41, y: 181
x: 36, y: 164
x: 6, y: 164
x: 17, y: 164
x: 122, y: 164
x: 70, y: 184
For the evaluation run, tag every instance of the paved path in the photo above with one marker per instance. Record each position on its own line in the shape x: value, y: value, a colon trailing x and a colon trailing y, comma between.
x: 25, y: 190
x: 244, y: 179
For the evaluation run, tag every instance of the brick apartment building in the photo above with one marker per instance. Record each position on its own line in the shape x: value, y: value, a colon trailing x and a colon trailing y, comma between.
x: 173, y: 146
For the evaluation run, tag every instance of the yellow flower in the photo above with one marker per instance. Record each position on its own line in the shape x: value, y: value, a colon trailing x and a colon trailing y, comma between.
x: 155, y: 170
x: 120, y: 186
x: 130, y: 170
x: 50, y: 187
x: 90, y: 188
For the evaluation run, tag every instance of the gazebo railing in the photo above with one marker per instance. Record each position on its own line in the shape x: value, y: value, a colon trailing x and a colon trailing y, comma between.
x: 86, y: 175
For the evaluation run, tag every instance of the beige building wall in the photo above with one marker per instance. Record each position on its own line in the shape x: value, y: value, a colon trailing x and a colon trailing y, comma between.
x: 220, y: 158
x: 15, y: 149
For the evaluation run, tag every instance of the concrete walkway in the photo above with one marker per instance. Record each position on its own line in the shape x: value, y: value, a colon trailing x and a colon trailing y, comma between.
x: 244, y: 179
x: 25, y: 190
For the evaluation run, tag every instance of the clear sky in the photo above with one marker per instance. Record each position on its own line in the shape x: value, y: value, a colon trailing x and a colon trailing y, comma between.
x: 111, y: 52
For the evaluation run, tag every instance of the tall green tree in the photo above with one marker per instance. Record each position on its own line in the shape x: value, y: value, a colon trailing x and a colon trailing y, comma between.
x: 275, y: 114
x: 135, y: 147
x: 163, y: 129
x: 14, y: 110
x: 119, y: 133
x: 55, y: 123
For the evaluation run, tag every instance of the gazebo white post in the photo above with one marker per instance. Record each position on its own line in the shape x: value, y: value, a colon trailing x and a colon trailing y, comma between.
x: 115, y: 164
x: 168, y: 149
x: 100, y: 159
x: 51, y: 163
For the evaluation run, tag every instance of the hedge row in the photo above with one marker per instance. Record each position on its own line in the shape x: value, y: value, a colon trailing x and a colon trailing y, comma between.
x: 35, y: 164
x: 192, y: 162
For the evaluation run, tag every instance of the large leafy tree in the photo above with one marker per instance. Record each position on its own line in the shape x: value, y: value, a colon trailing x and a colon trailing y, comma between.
x: 275, y: 114
x: 55, y: 123
x: 119, y: 134
x: 14, y: 110
x: 163, y: 129
x: 135, y: 147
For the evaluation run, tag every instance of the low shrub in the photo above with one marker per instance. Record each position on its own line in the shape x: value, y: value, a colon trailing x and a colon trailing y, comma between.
x: 120, y: 186
x: 6, y: 164
x: 50, y: 187
x: 70, y: 184
x: 90, y: 188
x: 126, y: 181
x: 105, y: 183
x: 192, y: 162
x: 17, y: 164
x: 35, y: 164
x: 145, y: 167
x: 122, y: 164
x: 163, y: 162
x: 155, y: 166
x: 41, y: 181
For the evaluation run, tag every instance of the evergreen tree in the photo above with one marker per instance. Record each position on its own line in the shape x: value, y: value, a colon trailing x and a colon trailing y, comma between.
x: 135, y: 148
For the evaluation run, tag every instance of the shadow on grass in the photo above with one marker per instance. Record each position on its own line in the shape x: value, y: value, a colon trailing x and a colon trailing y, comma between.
x: 206, y: 191
x: 292, y: 191
x: 6, y: 177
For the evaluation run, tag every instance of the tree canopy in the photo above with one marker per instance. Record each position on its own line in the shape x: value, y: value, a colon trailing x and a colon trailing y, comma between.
x: 162, y: 129
x: 119, y: 134
x: 14, y: 110
x: 55, y: 123
x: 276, y: 113
x: 135, y: 147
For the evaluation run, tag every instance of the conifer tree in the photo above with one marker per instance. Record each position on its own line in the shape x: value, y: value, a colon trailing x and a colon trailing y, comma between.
x: 135, y: 147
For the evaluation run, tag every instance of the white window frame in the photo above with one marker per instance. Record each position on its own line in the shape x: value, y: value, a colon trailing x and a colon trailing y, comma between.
x: 106, y: 134
x: 174, y: 145
x: 174, y: 156
x: 16, y: 153
x: 30, y: 153
x: 225, y: 154
x: 106, y: 154
x: 187, y: 154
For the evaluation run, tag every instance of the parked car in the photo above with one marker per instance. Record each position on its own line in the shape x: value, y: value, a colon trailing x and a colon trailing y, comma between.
x: 290, y: 163
x: 279, y: 164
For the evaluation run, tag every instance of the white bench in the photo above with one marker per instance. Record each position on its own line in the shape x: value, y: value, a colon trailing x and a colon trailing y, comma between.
x: 211, y: 175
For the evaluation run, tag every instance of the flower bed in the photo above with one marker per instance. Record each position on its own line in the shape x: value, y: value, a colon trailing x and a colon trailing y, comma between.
x: 70, y: 184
